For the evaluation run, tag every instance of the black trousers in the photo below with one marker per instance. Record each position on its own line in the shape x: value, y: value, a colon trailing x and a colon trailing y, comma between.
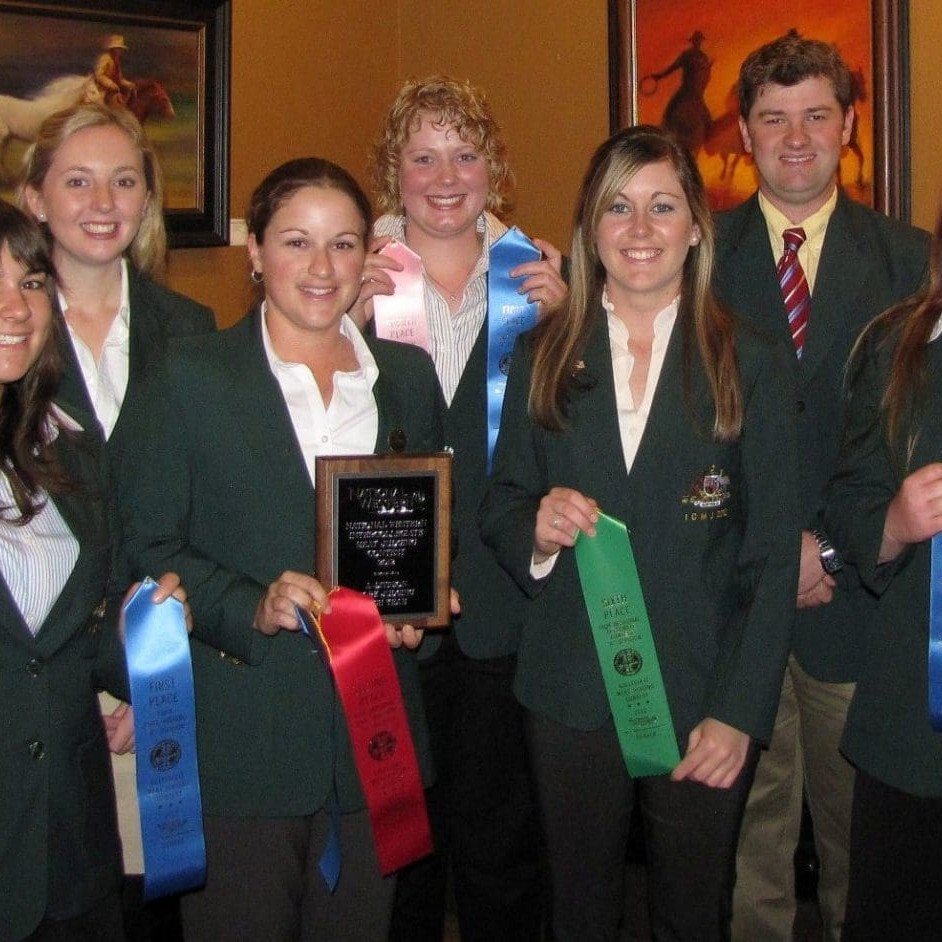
x: 481, y: 808
x: 263, y: 883
x: 895, y: 889
x: 690, y: 832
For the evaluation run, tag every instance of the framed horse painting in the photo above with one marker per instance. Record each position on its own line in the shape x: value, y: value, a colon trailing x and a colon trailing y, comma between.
x: 676, y: 65
x: 168, y: 62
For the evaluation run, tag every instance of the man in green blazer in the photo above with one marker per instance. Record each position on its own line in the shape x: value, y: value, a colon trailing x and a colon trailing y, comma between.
x: 796, y: 116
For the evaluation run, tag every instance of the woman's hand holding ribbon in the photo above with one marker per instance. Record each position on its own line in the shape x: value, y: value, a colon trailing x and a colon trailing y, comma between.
x: 543, y: 281
x: 375, y: 280
x: 276, y: 611
x: 562, y: 513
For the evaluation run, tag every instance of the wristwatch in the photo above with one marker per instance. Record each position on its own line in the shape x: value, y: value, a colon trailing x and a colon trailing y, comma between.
x: 831, y: 561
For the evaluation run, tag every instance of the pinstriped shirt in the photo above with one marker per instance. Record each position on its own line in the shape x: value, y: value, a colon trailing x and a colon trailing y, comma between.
x: 36, y: 559
x: 452, y: 336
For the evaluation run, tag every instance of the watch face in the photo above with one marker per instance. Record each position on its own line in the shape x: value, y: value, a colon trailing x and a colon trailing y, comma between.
x: 831, y: 561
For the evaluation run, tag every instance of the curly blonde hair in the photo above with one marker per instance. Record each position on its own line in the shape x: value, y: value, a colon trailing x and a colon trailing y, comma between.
x: 458, y: 105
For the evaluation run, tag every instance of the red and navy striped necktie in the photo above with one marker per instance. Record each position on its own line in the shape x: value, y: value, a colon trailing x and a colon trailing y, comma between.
x: 794, y: 285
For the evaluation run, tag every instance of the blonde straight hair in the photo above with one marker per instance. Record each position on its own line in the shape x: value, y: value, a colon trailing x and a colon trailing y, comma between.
x: 560, y: 338
x: 148, y: 249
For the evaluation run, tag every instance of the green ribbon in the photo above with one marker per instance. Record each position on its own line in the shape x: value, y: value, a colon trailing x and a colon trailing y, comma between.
x: 625, y: 646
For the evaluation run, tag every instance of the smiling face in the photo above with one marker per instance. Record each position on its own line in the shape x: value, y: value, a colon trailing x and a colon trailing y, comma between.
x: 795, y: 134
x: 443, y: 181
x: 93, y: 196
x: 643, y: 238
x: 25, y: 317
x: 311, y: 260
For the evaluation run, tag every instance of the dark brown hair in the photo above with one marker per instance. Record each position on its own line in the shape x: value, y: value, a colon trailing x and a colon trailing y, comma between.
x: 25, y: 457
x: 285, y: 180
x: 788, y: 60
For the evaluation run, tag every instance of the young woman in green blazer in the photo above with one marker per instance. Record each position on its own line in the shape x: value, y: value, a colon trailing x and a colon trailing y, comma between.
x: 885, y: 508
x: 60, y: 863
x: 642, y: 398
x: 224, y: 484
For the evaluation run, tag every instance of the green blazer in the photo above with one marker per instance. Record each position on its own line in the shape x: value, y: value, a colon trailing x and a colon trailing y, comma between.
x: 59, y: 849
x: 716, y: 581
x: 868, y: 263
x: 218, y: 492
x: 888, y: 732
x: 157, y: 316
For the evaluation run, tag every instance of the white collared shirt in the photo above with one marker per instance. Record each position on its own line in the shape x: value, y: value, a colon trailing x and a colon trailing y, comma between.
x: 452, y: 335
x: 350, y: 423
x: 632, y: 417
x: 37, y: 558
x: 107, y: 379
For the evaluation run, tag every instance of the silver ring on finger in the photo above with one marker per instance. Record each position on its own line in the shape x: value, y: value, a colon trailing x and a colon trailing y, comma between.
x: 557, y: 520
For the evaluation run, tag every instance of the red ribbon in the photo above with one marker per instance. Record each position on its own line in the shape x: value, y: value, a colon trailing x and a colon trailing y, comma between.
x: 365, y: 675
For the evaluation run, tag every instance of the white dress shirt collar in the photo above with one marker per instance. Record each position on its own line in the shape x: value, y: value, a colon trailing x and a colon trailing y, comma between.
x: 107, y: 379
x: 349, y: 424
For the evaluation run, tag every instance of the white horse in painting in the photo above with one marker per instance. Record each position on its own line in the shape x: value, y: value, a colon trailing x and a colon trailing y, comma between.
x: 20, y: 118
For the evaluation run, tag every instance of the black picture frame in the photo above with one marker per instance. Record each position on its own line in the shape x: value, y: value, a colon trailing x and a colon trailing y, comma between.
x: 43, y: 39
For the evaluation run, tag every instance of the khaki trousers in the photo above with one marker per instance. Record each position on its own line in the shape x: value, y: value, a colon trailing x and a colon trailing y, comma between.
x: 804, y: 754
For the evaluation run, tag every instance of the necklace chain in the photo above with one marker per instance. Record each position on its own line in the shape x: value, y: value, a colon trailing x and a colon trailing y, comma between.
x: 452, y: 296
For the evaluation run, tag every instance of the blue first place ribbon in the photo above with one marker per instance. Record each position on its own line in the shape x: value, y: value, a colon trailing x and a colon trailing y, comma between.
x: 168, y: 788
x: 508, y: 315
x: 935, y: 635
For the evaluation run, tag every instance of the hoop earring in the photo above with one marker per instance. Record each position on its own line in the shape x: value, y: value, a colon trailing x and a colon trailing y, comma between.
x: 257, y: 277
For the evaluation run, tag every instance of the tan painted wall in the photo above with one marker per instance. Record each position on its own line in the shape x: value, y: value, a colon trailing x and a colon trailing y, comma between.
x: 925, y: 41
x: 315, y: 77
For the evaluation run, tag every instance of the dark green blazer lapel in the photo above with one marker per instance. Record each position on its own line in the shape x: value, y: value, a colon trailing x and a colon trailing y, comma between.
x: 594, y: 436
x: 390, y: 435
x: 473, y: 382
x: 254, y: 398
x: 745, y: 266
x: 147, y: 334
x: 11, y: 619
x: 596, y: 433
x: 841, y: 279
x: 670, y: 421
x: 86, y: 513
x: 72, y: 394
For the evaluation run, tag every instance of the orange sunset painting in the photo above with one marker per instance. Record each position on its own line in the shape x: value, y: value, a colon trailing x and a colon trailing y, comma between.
x: 688, y: 54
